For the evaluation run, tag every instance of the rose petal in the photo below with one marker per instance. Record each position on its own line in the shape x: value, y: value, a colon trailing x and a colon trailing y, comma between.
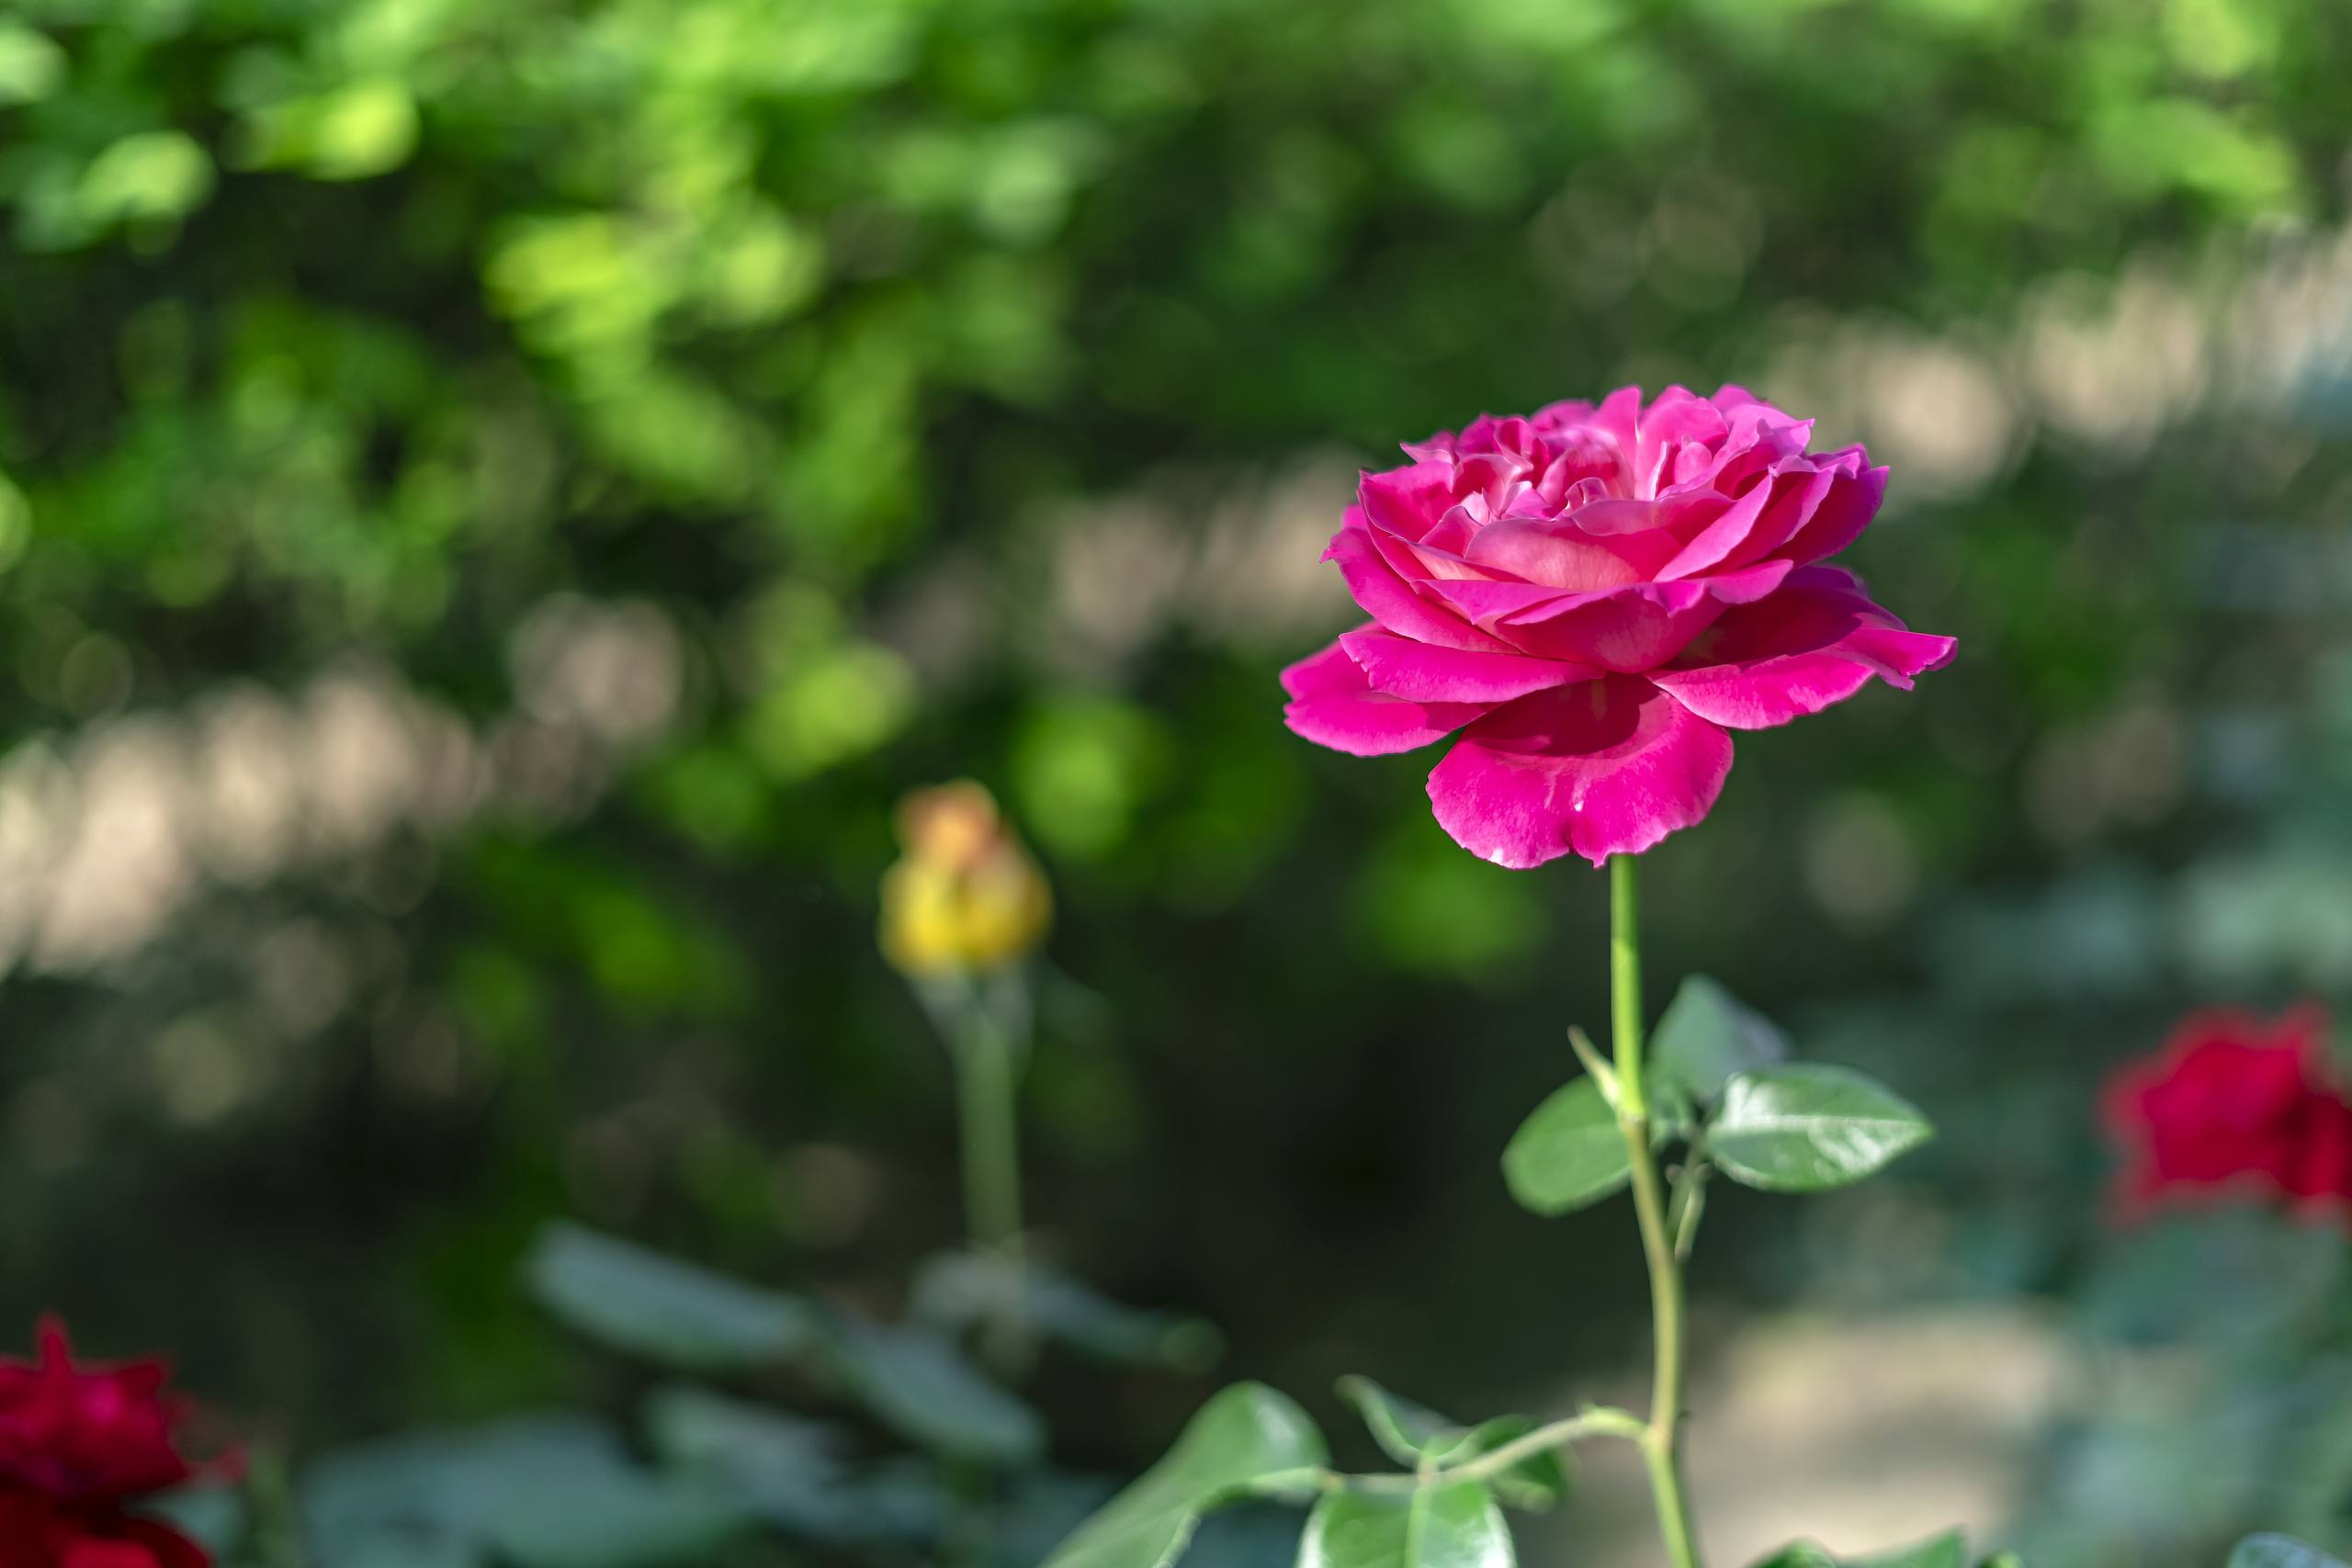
x: 1561, y: 553
x: 1675, y: 420
x: 1726, y: 531
x: 1409, y: 501
x: 1606, y: 767
x: 1388, y: 598
x: 1399, y: 666
x: 1333, y: 705
x: 1853, y: 500
x: 1631, y: 629
x: 1815, y: 642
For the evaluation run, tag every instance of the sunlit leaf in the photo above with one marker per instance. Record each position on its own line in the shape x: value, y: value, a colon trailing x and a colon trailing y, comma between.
x: 1450, y: 1526
x: 1247, y: 1439
x: 1805, y: 1127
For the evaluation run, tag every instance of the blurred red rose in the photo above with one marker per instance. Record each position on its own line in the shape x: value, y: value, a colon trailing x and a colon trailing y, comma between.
x: 39, y: 1532
x: 77, y: 1444
x: 2235, y: 1104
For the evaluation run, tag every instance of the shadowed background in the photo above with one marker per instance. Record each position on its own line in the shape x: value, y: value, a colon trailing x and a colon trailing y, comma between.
x: 498, y: 500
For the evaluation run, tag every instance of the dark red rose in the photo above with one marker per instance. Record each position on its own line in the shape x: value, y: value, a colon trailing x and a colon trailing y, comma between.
x: 91, y: 1433
x: 2235, y: 1104
x: 37, y: 1531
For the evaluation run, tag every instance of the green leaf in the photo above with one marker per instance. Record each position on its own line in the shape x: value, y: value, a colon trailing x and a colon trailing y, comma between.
x: 2280, y: 1552
x: 539, y: 1492
x: 1246, y: 1440
x: 1805, y: 1127
x: 1949, y: 1550
x: 664, y: 1310
x: 959, y: 1289
x: 1040, y: 1508
x: 1408, y: 1433
x: 31, y: 65
x: 919, y: 1385
x: 1448, y: 1526
x: 622, y: 1519
x: 1707, y: 1034
x: 1568, y: 1153
x: 217, y: 1516
x: 1798, y: 1554
x: 1402, y: 1428
x: 791, y: 1472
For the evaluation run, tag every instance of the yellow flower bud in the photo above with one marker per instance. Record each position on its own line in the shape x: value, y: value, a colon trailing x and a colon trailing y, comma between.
x: 965, y: 895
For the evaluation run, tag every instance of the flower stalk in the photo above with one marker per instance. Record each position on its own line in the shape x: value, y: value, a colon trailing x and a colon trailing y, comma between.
x: 987, y: 1076
x: 987, y: 1040
x: 1660, y: 1440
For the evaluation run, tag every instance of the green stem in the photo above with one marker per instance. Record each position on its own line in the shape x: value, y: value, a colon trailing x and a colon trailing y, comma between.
x: 986, y: 1083
x: 1661, y: 1440
x: 1598, y: 1423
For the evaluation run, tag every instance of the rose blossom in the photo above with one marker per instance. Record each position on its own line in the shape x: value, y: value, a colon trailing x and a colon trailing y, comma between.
x: 2235, y: 1103
x: 1593, y: 597
x: 77, y: 1444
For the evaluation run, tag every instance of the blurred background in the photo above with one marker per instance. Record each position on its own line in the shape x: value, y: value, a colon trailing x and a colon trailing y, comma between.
x: 499, y: 500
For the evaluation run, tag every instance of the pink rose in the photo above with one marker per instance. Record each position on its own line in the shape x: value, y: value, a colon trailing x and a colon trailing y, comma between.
x: 1593, y: 597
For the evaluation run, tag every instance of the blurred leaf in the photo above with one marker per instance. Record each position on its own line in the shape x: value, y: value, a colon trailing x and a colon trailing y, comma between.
x: 351, y: 132
x: 673, y: 1313
x: 1797, y: 1555
x: 386, y: 1552
x: 624, y: 1519
x: 156, y: 176
x: 1568, y: 1153
x: 958, y: 1290
x: 1451, y: 1526
x: 216, y: 1516
x: 1083, y: 769
x: 1408, y: 1433
x: 544, y: 1491
x: 2280, y: 1552
x: 2182, y: 1282
x: 918, y: 1383
x: 1803, y: 1128
x: 1949, y: 1550
x: 1707, y: 1034
x: 1042, y: 1510
x: 791, y: 1472
x: 1428, y: 908
x: 839, y: 704
x: 1245, y: 1440
x: 31, y: 65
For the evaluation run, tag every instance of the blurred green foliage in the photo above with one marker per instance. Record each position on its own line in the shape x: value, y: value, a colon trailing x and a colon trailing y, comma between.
x: 497, y: 499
